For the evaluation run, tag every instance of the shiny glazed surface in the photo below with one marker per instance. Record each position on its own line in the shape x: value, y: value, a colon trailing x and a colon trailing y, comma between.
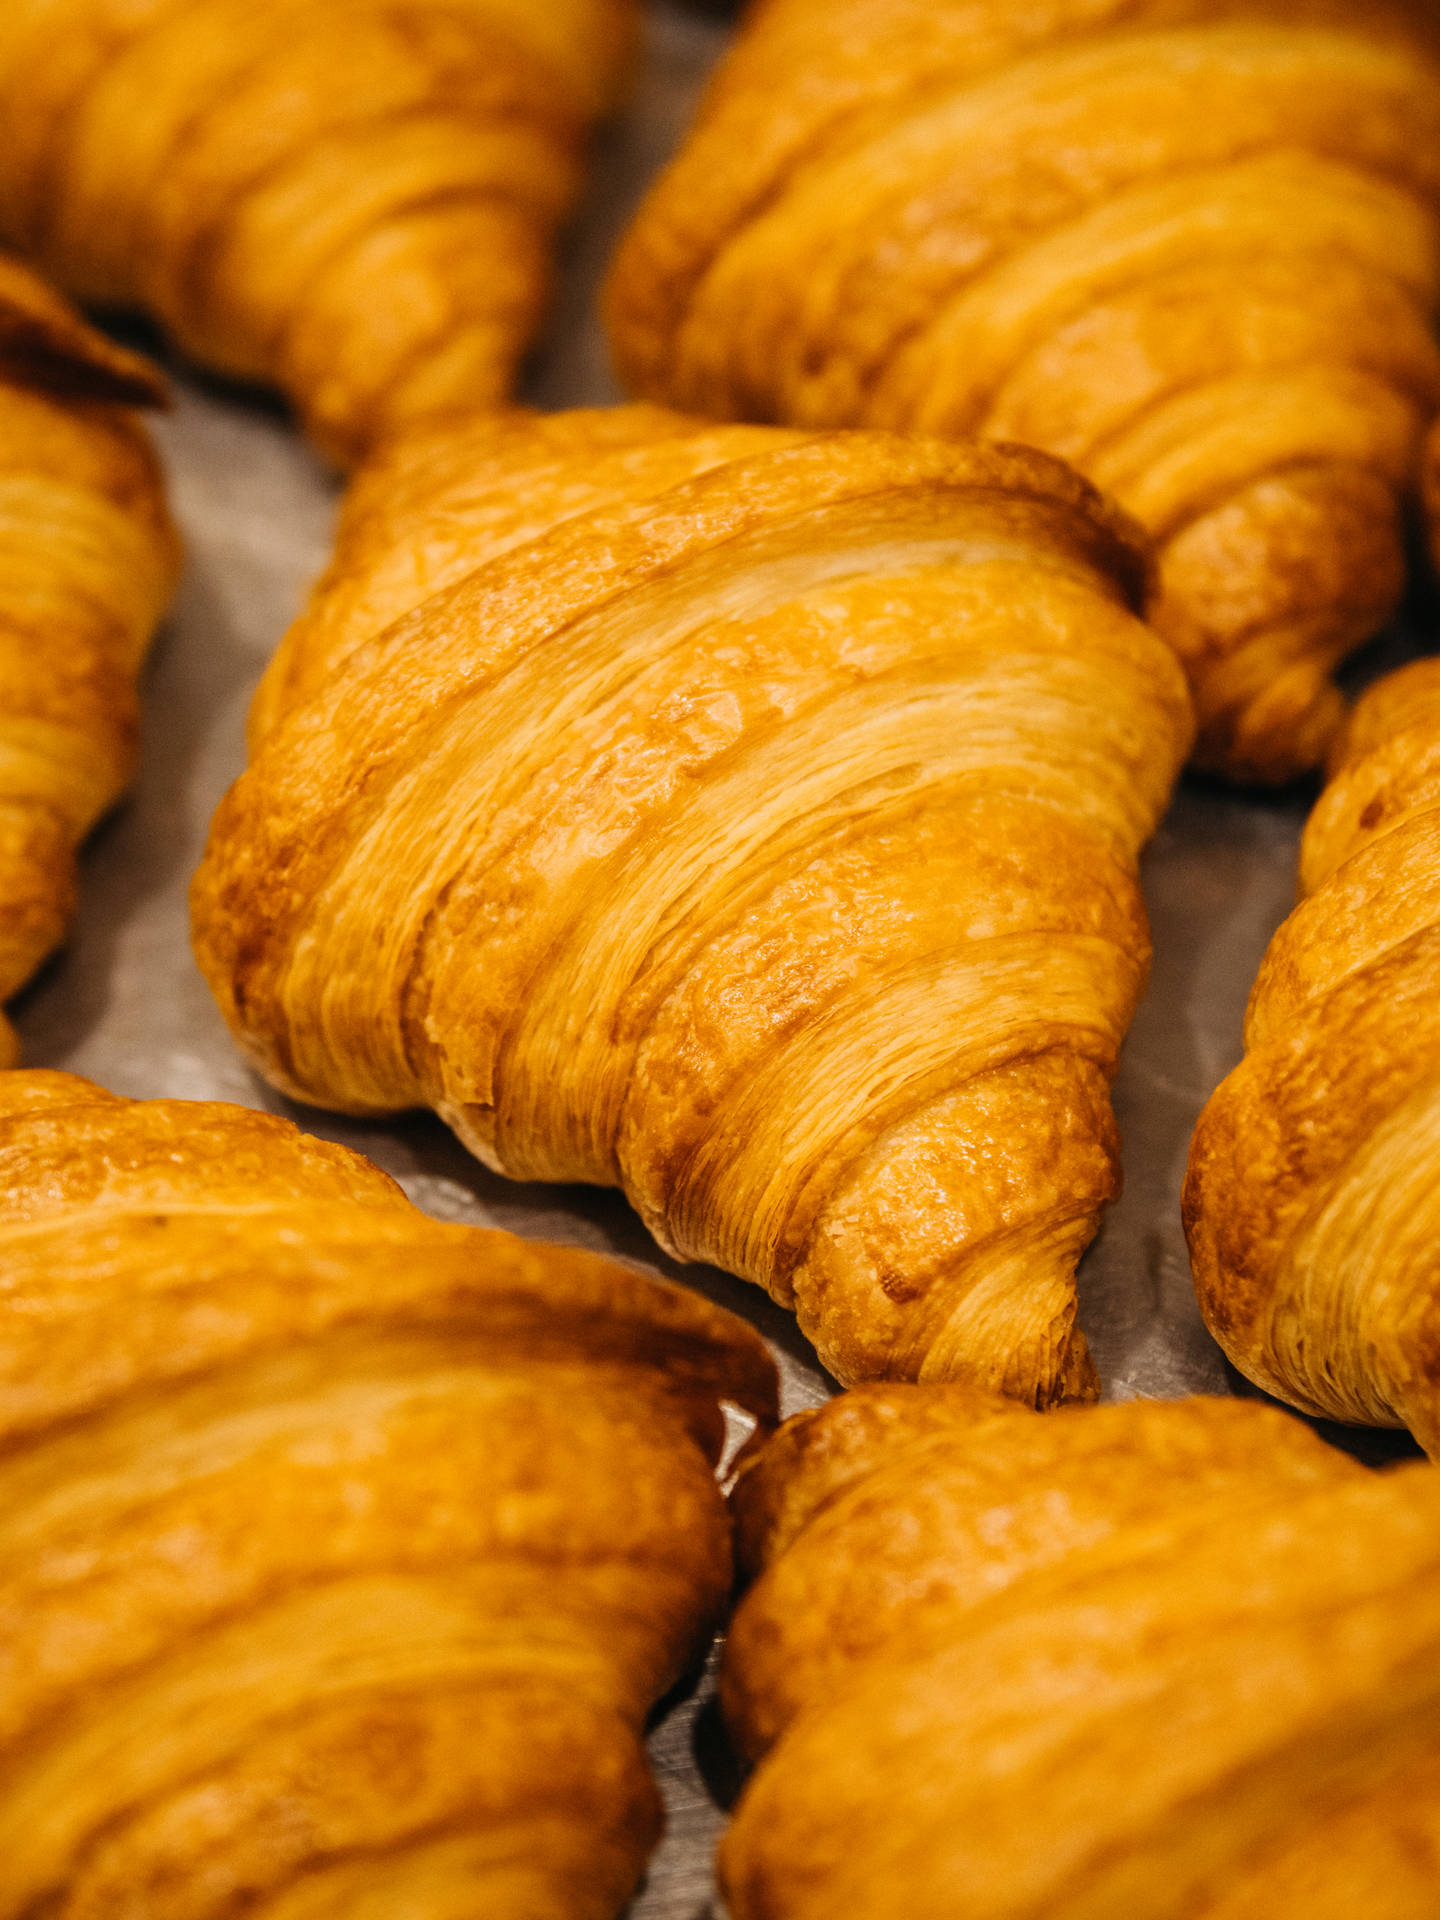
x: 744, y: 818
x: 342, y: 1552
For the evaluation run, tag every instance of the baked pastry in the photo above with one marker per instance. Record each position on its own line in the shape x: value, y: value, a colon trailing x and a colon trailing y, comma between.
x: 88, y: 559
x: 1432, y: 490
x: 747, y: 819
x: 1311, y: 1202
x: 342, y: 1553
x: 1192, y: 246
x: 352, y: 200
x: 1151, y: 1659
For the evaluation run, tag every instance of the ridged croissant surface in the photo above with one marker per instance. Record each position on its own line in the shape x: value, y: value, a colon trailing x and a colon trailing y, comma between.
x: 1193, y: 246
x: 352, y: 200
x: 87, y: 562
x: 1312, y: 1203
x: 1169, y: 1660
x: 342, y: 1553
x: 744, y: 818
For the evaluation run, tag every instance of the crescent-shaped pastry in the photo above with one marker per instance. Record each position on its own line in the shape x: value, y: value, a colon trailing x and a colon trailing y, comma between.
x: 744, y: 818
x: 88, y: 559
x: 352, y: 200
x: 342, y: 1553
x: 1191, y: 246
x: 1312, y: 1203
x: 1154, y: 1660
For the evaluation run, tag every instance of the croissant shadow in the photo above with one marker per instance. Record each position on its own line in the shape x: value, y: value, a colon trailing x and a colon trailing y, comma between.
x: 1218, y: 878
x: 569, y: 364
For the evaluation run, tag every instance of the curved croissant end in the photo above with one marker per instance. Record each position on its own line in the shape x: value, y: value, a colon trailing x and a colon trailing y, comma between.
x: 342, y: 1553
x: 744, y: 818
x: 352, y: 200
x: 1191, y: 246
x: 1150, y: 1659
x: 88, y: 559
x: 1311, y: 1203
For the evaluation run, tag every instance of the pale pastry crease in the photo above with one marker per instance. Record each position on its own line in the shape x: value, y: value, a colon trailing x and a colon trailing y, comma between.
x: 351, y: 200
x: 342, y: 1552
x: 1191, y: 246
x: 1311, y: 1204
x: 744, y: 818
x: 88, y: 560
x: 1165, y: 1660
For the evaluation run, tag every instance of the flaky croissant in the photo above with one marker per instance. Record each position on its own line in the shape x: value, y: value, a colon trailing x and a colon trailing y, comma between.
x: 342, y: 1553
x: 88, y: 559
x: 1192, y: 246
x: 744, y: 818
x: 1163, y: 1659
x: 1312, y: 1204
x: 352, y: 200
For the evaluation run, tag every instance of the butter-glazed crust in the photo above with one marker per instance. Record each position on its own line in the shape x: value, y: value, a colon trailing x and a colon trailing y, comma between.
x: 342, y: 1552
x: 746, y: 818
x: 1192, y: 246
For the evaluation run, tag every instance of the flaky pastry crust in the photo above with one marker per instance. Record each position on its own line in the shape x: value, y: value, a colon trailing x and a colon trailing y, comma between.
x: 744, y: 818
x: 1161, y: 1659
x: 352, y: 200
x: 88, y: 559
x: 1192, y: 246
x: 342, y: 1552
x: 1312, y: 1204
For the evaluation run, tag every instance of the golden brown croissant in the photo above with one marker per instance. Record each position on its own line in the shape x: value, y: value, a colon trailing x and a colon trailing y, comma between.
x: 87, y: 562
x: 1163, y: 1659
x: 1312, y: 1204
x: 352, y: 200
x: 342, y: 1553
x: 1192, y: 246
x: 744, y: 818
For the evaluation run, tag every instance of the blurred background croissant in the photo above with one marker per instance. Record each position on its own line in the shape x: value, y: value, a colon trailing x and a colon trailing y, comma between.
x: 352, y: 200
x: 1192, y: 246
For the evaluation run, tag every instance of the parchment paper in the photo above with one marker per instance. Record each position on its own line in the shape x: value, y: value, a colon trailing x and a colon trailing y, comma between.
x: 125, y: 1005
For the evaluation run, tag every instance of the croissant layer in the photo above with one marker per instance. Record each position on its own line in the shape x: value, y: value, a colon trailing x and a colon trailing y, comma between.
x: 88, y: 559
x: 744, y: 818
x: 1158, y: 1659
x: 342, y: 1553
x: 1310, y: 1201
x: 1192, y: 246
x: 352, y: 200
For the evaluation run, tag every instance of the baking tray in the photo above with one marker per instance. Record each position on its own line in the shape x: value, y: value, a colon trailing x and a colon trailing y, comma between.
x: 125, y: 1005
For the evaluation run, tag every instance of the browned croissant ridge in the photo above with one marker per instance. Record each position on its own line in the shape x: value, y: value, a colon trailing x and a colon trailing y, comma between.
x: 1171, y: 1660
x: 342, y: 1553
x: 352, y: 200
x: 88, y: 559
x: 1312, y: 1203
x: 747, y: 819
x: 1192, y: 246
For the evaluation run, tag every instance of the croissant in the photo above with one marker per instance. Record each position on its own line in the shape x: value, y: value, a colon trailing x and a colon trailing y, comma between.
x: 88, y: 559
x: 743, y: 818
x: 1192, y: 246
x: 1155, y: 1659
x: 1311, y: 1202
x: 342, y: 1553
x: 352, y: 200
